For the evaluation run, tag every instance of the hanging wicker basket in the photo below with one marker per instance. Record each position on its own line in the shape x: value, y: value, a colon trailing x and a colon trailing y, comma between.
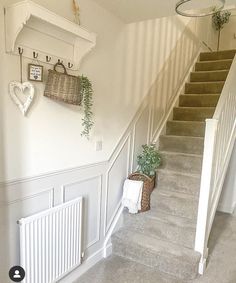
x: 148, y: 186
x: 62, y: 86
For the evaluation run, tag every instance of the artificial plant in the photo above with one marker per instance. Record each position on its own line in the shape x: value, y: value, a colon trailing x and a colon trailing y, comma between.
x: 148, y: 160
x: 219, y: 19
x: 86, y: 92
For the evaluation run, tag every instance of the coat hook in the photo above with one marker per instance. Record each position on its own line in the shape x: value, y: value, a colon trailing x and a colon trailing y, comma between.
x: 35, y: 55
x: 48, y: 58
x: 70, y: 65
x: 20, y: 50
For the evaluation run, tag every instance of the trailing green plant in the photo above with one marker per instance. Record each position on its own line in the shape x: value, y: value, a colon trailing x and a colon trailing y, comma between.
x: 219, y: 19
x: 149, y: 160
x: 86, y: 92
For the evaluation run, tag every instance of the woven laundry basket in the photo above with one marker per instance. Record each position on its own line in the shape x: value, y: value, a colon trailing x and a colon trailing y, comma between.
x: 148, y: 186
x: 63, y: 87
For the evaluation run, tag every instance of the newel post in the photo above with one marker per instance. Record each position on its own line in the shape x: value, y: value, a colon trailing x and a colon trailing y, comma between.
x: 201, y: 238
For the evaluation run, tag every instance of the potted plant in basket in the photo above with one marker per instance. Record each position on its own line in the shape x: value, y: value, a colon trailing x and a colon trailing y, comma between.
x: 148, y: 161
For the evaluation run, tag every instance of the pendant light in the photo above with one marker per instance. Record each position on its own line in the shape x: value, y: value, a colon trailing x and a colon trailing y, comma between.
x: 199, y: 8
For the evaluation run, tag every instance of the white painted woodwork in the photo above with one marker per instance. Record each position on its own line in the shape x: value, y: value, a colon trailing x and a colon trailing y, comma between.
x: 115, y: 177
x: 36, y: 29
x: 219, y: 141
x: 91, y: 191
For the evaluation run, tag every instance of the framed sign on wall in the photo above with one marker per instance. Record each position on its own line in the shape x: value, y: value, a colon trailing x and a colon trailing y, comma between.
x: 35, y: 73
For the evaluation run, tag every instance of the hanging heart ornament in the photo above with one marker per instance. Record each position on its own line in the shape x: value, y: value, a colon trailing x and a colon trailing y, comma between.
x: 18, y: 89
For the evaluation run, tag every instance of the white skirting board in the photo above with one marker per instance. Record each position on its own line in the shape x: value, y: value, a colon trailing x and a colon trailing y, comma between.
x: 226, y: 208
x: 90, y: 262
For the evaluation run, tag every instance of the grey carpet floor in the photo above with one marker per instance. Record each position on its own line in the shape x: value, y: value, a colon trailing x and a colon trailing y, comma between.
x: 221, y: 266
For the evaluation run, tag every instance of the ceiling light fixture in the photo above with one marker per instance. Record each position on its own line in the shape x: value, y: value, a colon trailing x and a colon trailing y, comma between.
x: 199, y: 8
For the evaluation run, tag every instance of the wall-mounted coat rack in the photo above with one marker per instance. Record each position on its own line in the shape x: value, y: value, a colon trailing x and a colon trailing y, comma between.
x: 46, y: 36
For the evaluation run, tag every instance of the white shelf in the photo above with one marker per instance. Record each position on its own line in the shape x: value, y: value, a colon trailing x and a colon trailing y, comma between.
x: 36, y: 29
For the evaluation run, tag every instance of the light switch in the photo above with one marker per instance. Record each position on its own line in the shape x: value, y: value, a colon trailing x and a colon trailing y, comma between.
x: 98, y: 145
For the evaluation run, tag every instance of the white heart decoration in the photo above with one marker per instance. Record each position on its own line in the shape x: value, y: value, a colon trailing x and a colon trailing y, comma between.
x: 22, y: 87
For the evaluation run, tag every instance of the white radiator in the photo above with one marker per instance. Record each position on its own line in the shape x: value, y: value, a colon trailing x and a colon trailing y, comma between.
x: 50, y: 242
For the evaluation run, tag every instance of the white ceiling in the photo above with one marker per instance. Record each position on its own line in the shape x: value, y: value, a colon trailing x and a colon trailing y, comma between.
x: 138, y: 10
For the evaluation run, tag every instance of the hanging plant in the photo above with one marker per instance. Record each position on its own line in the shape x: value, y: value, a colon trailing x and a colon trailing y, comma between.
x: 86, y: 92
x: 219, y: 19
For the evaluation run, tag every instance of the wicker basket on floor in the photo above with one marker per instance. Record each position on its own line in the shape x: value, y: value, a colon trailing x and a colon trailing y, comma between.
x: 148, y: 186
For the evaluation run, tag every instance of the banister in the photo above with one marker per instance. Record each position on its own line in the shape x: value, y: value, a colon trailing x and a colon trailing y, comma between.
x: 226, y: 89
x: 203, y: 207
x: 219, y: 139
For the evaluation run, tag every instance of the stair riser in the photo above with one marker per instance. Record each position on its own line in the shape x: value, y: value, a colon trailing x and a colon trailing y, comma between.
x: 198, y: 100
x: 175, y: 206
x: 185, y: 129
x: 191, y: 114
x: 209, y: 56
x: 181, y: 144
x: 208, y: 76
x: 213, y: 66
x: 183, y: 236
x: 167, y: 264
x: 204, y: 88
x: 182, y: 163
x: 173, y: 182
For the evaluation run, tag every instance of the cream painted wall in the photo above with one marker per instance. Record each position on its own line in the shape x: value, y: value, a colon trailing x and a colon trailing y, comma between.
x: 128, y: 63
x: 228, y: 197
x: 122, y: 67
x: 228, y: 34
x: 49, y: 138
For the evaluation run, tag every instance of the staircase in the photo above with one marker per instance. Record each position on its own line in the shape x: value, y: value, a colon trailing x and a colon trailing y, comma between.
x: 164, y: 237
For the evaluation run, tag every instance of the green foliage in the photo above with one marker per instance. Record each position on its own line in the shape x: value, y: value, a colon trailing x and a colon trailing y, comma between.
x: 86, y: 92
x: 220, y: 18
x: 148, y: 160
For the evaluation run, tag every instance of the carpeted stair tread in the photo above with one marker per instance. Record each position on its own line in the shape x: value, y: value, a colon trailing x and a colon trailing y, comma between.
x: 181, y: 144
x: 178, y: 182
x: 213, y: 65
x: 175, y: 229
x: 209, y: 76
x: 199, y: 100
x: 217, y: 55
x: 167, y: 257
x: 164, y: 171
x: 181, y: 162
x: 185, y: 128
x: 193, y: 113
x: 178, y: 204
x: 162, y: 217
x: 204, y: 87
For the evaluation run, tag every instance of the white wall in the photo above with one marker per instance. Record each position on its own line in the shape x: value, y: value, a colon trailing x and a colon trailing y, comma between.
x: 42, y: 145
x: 122, y: 67
x: 228, y: 33
x: 130, y: 62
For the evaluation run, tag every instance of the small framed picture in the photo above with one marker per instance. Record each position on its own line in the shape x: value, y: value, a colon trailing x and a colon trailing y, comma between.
x: 35, y: 73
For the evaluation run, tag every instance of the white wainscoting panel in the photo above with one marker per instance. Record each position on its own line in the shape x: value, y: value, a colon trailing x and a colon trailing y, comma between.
x: 91, y: 191
x: 116, y: 175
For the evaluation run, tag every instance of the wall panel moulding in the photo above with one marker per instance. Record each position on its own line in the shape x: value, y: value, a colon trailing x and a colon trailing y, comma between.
x: 36, y: 29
